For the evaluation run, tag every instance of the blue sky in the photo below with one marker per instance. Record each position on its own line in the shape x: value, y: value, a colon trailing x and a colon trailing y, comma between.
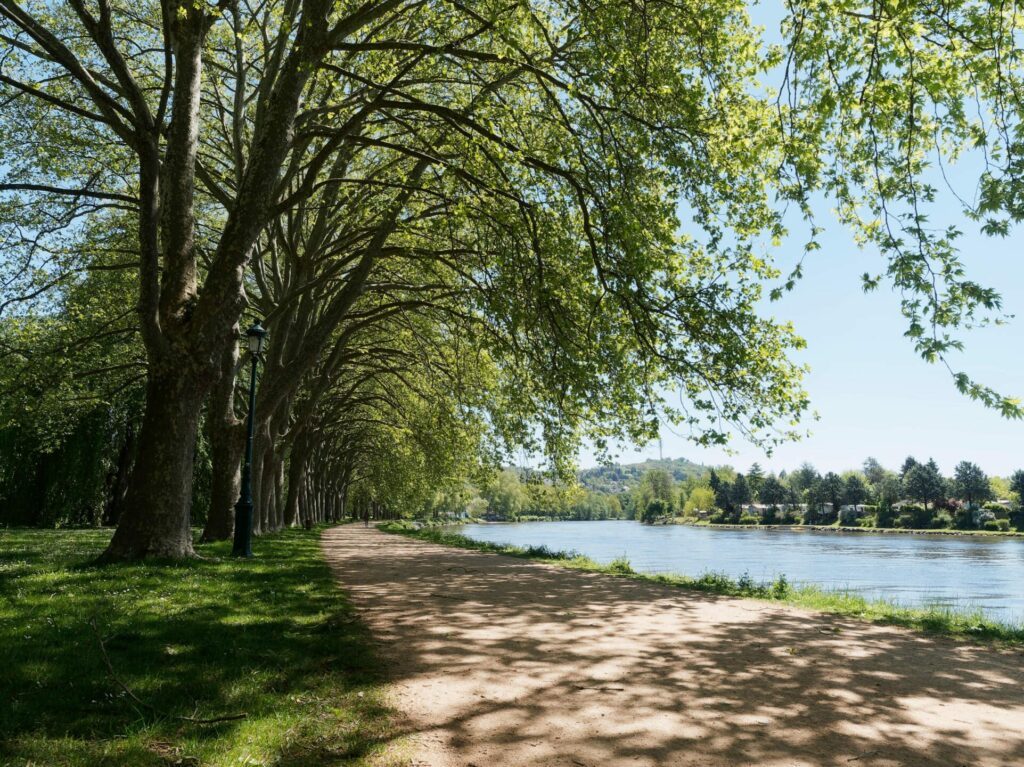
x: 874, y: 396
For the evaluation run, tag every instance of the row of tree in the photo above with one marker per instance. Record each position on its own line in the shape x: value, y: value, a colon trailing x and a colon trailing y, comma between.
x: 462, y: 225
x: 873, y: 494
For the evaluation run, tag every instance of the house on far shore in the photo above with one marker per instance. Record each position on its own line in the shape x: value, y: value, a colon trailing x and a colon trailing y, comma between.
x: 759, y: 509
x: 851, y: 512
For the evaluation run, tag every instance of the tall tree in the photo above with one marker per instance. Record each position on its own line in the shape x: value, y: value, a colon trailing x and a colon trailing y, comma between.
x: 755, y: 477
x: 854, y: 490
x: 924, y: 483
x: 971, y: 483
x: 772, y: 492
x: 832, y: 488
x: 874, y: 472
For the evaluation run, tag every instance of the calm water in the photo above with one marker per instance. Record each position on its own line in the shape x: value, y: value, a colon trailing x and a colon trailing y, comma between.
x: 913, y: 570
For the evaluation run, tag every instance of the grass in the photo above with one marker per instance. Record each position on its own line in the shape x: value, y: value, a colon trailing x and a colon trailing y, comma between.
x: 271, y: 638
x: 939, y: 620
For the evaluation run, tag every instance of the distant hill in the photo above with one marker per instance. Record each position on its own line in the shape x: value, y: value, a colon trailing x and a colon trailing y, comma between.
x: 619, y: 477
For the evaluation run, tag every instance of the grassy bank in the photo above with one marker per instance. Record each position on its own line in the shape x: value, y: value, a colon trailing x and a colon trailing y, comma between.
x: 935, y: 620
x: 211, y: 662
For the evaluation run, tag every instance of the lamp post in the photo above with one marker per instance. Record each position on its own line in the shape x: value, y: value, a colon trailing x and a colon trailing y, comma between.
x: 256, y: 336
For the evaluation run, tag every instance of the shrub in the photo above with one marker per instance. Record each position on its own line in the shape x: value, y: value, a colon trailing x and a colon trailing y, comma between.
x: 997, y: 525
x: 942, y: 521
x: 656, y: 509
x: 886, y: 516
x: 749, y: 519
x: 745, y: 583
x: 780, y: 588
x: 789, y: 517
x: 964, y: 519
x: 621, y: 565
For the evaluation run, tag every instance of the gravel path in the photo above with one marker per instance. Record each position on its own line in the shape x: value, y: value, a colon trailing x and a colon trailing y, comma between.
x: 500, y: 662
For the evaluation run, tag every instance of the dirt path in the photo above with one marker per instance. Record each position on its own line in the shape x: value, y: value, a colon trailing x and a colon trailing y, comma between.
x: 501, y: 662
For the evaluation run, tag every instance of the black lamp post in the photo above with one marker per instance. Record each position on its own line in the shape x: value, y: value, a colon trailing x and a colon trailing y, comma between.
x: 256, y: 337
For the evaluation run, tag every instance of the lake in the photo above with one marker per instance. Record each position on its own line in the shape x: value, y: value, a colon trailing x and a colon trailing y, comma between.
x: 978, y: 571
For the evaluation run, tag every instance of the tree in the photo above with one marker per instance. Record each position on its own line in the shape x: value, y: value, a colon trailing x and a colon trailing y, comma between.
x: 1017, y: 485
x: 545, y: 149
x: 803, y: 478
x: 505, y: 495
x: 755, y: 477
x: 854, y: 490
x: 832, y: 488
x: 700, y: 499
x: 873, y: 472
x: 656, y: 485
x: 740, y: 494
x: 542, y: 155
x: 655, y: 510
x: 924, y: 483
x: 772, y: 492
x: 970, y: 483
x: 908, y: 464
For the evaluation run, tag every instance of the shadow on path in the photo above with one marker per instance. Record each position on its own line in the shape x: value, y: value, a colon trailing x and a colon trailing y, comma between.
x: 499, y: 661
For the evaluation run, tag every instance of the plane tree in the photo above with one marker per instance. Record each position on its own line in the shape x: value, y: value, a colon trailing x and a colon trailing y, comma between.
x: 613, y: 171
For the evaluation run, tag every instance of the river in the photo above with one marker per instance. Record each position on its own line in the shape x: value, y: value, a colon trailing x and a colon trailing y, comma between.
x: 982, y: 572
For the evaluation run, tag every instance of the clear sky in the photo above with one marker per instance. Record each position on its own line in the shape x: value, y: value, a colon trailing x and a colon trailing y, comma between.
x: 874, y: 396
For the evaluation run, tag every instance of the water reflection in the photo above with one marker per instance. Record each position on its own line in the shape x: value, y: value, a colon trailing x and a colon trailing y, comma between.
x: 914, y: 570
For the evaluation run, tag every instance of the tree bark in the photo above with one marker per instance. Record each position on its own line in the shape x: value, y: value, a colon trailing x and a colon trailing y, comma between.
x: 156, y: 518
x: 226, y: 433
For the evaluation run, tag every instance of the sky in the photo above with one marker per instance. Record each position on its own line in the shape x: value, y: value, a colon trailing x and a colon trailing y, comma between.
x: 874, y: 396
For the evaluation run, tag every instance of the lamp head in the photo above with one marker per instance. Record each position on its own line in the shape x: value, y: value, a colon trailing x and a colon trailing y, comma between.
x: 256, y: 336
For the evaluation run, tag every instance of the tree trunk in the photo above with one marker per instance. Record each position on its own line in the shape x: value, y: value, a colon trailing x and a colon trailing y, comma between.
x: 226, y: 434
x: 119, y: 481
x: 156, y: 515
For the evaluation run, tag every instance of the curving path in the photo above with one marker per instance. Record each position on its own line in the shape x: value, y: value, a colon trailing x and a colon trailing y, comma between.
x: 500, y: 662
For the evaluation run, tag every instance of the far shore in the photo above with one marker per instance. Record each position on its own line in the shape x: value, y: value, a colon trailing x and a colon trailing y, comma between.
x: 785, y: 528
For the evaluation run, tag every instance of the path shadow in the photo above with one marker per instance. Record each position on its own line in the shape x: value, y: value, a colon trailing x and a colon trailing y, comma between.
x: 500, y: 658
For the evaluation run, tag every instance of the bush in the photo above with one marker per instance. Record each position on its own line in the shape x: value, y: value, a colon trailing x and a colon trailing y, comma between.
x: 964, y: 519
x: 997, y: 525
x: 621, y: 565
x: 656, y: 509
x: 942, y: 521
x: 749, y: 519
x: 780, y: 589
x: 789, y: 517
x: 886, y: 516
x: 904, y: 521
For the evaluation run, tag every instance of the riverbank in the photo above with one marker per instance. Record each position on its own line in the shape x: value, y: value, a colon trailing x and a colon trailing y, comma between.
x: 847, y: 529
x: 958, y: 623
x: 500, y: 660
x: 212, y: 662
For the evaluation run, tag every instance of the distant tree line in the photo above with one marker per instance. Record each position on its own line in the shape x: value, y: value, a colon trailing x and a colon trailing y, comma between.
x: 917, y: 496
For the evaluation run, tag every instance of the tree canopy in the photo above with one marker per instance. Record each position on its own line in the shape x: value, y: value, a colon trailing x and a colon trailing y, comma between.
x: 470, y: 230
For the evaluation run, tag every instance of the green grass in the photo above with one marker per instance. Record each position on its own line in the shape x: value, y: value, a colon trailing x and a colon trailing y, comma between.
x: 959, y: 623
x: 272, y: 638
